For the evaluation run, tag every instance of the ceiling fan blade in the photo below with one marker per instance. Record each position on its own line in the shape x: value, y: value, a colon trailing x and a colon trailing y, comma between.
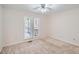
x: 36, y: 8
x: 49, y: 8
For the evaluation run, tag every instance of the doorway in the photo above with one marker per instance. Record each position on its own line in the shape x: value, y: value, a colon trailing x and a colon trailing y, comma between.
x: 31, y: 27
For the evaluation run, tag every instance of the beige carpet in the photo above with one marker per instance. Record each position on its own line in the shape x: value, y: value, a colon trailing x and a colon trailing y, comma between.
x: 41, y: 46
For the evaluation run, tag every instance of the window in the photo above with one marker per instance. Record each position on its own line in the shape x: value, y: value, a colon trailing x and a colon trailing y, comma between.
x: 31, y: 27
x: 36, y: 26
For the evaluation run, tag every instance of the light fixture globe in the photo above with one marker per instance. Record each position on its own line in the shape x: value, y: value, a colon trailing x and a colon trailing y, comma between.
x: 43, y: 8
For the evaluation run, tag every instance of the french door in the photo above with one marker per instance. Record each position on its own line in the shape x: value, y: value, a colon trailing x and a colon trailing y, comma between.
x: 31, y: 27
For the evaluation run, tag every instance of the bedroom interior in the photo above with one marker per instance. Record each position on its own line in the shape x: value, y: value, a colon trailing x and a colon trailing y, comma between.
x: 39, y: 28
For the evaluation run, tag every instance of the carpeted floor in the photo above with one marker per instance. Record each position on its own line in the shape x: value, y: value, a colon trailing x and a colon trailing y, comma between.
x: 41, y: 46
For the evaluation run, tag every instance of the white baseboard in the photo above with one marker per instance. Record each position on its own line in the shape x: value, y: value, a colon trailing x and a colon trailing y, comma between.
x: 17, y: 42
x: 63, y: 40
x: 25, y: 40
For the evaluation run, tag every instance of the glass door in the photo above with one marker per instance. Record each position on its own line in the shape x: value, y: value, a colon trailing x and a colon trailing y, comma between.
x: 30, y: 27
x: 27, y: 28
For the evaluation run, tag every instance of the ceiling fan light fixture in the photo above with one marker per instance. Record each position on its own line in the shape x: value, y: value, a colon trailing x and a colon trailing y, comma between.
x: 44, y: 10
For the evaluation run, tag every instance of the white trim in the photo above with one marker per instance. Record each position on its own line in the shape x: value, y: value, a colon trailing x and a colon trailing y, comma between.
x: 25, y: 40
x: 63, y: 40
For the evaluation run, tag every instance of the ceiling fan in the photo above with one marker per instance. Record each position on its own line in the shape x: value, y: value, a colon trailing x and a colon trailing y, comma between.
x: 44, y: 8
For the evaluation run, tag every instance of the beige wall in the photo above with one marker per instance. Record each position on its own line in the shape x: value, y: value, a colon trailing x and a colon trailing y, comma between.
x: 65, y: 26
x: 14, y: 23
x: 62, y: 25
x: 1, y: 29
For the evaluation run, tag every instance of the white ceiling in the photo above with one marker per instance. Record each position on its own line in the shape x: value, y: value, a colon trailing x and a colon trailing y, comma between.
x: 30, y: 7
